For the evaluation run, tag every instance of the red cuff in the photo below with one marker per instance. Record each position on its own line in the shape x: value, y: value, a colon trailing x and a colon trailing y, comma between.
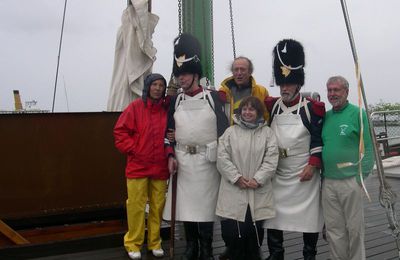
x: 315, y: 161
x: 169, y: 150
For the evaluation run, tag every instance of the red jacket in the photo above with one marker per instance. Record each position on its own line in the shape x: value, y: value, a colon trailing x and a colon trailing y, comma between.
x: 139, y: 133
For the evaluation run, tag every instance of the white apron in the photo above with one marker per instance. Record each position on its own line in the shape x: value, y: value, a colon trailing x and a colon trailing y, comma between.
x: 298, y: 204
x: 198, y: 178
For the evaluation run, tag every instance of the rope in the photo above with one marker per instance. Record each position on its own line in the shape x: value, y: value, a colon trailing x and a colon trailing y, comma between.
x: 212, y: 41
x: 232, y: 30
x: 387, y: 197
x: 208, y: 69
x: 361, y: 147
x: 58, y: 57
x: 172, y: 87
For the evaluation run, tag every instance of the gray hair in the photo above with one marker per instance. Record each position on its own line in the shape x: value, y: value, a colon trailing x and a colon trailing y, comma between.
x: 338, y: 79
x: 251, y: 67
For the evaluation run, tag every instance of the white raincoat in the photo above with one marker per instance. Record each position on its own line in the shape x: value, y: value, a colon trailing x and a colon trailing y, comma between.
x: 251, y: 153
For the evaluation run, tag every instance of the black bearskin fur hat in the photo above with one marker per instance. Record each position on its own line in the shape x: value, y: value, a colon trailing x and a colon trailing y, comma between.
x: 289, y: 62
x: 186, y: 55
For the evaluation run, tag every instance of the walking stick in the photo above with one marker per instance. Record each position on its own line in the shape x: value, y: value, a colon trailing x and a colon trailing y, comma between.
x: 173, y: 208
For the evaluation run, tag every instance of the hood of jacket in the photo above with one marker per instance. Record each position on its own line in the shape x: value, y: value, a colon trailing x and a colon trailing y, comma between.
x: 147, y: 83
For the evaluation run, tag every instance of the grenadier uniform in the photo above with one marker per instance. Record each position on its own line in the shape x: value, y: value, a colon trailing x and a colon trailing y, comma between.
x: 198, y: 120
x: 298, y: 127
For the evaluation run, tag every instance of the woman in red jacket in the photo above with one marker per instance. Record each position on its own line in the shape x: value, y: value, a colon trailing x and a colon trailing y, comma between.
x: 139, y: 133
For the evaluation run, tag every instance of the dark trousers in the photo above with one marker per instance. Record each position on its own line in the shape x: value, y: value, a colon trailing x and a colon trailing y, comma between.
x: 198, y: 234
x: 275, y: 245
x: 243, y: 238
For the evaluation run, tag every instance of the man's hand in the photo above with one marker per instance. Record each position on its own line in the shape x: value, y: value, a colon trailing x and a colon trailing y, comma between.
x: 307, y: 173
x: 172, y: 165
x: 171, y: 135
x: 242, y: 182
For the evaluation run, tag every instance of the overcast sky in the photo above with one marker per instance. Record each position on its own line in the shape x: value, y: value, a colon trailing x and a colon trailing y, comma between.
x: 30, y: 31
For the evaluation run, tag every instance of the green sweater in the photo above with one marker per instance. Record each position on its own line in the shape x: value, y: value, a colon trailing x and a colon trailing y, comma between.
x: 340, y: 136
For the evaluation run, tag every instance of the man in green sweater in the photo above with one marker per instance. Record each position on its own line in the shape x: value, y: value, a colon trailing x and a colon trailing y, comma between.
x: 342, y: 194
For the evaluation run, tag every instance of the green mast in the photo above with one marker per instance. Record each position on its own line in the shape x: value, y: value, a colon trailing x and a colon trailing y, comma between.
x: 197, y: 20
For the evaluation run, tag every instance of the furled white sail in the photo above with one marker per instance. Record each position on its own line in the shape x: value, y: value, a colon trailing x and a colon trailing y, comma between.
x: 134, y: 55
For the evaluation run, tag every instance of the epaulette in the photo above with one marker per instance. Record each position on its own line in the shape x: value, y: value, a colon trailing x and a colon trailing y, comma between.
x: 269, y: 102
x: 222, y: 96
x: 317, y: 107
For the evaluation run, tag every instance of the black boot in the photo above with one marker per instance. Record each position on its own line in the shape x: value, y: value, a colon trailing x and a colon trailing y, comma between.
x: 224, y: 255
x: 310, y: 245
x: 192, y: 241
x: 206, y: 230
x: 275, y: 244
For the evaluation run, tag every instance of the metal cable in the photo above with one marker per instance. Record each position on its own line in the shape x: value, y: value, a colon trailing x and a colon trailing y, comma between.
x: 58, y: 57
x: 212, y: 42
x: 208, y: 43
x: 189, y: 17
x: 232, y: 29
x: 180, y: 16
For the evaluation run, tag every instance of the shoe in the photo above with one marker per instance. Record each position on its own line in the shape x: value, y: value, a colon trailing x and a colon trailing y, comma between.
x: 158, y: 252
x: 135, y: 255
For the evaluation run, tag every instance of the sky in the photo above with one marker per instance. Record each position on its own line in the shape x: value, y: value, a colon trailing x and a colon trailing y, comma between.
x: 30, y: 33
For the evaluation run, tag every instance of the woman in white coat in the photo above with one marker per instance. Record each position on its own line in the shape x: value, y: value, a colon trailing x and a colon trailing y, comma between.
x: 247, y: 160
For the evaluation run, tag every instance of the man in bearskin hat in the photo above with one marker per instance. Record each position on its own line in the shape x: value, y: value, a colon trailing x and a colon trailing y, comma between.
x: 297, y: 123
x: 196, y: 116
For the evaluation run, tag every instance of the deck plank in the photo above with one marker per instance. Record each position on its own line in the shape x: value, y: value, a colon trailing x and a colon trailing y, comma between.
x: 378, y: 240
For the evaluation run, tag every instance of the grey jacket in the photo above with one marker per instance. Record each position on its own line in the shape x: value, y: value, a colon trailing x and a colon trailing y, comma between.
x: 251, y: 153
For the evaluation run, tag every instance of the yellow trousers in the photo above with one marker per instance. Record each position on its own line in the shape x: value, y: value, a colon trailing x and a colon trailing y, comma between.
x: 139, y: 192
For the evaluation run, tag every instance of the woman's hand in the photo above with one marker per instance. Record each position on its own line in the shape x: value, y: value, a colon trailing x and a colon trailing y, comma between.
x: 253, y: 184
x: 242, y: 182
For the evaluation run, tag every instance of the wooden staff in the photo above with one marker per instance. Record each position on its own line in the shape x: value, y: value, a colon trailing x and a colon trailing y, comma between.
x: 173, y: 209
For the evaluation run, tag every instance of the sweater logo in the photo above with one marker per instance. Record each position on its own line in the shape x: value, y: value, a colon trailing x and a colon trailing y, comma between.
x: 343, y: 129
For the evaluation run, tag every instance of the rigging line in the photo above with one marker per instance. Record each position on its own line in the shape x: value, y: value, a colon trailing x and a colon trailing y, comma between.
x: 386, y: 197
x: 232, y: 30
x: 212, y: 42
x: 65, y: 92
x: 180, y: 16
x: 59, y: 53
x: 208, y: 45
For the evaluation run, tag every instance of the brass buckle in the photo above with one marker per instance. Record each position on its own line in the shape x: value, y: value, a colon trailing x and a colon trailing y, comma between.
x: 191, y: 149
x: 282, y: 153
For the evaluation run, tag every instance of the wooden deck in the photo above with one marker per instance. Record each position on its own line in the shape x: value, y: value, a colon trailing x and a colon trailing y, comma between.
x: 379, y: 242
